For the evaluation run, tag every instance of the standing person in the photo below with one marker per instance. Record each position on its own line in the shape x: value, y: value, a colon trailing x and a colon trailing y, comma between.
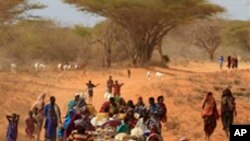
x: 209, y: 115
x: 110, y: 84
x: 129, y: 73
x: 52, y: 115
x: 12, y: 131
x: 154, y: 114
x: 153, y: 109
x: 163, y: 108
x: 228, y: 109
x: 229, y: 62
x: 30, y: 125
x: 140, y: 107
x: 37, y: 108
x: 235, y: 62
x: 117, y: 88
x: 90, y: 88
x: 221, y: 61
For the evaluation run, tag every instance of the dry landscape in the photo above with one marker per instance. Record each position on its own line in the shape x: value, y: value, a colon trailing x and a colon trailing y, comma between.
x: 183, y: 87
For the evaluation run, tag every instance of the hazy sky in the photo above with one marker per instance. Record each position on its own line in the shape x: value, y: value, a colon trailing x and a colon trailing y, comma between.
x: 236, y: 9
x: 66, y: 14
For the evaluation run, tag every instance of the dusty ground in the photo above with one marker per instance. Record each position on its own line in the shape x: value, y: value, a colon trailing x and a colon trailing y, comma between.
x: 183, y: 87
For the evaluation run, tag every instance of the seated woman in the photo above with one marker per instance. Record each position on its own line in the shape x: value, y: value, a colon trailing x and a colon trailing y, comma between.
x: 131, y: 118
x: 140, y: 107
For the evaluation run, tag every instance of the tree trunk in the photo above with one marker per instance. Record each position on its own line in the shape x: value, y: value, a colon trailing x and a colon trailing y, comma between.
x: 108, y: 57
x: 164, y: 58
x: 143, y: 54
x: 211, y: 56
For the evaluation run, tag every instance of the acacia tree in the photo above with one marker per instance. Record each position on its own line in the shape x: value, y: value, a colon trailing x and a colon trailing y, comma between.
x: 106, y: 39
x: 207, y: 35
x: 148, y: 21
x: 6, y: 11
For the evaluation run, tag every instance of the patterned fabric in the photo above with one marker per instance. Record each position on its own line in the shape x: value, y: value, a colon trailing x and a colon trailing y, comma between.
x: 117, y: 89
x: 209, y: 124
x: 75, y: 136
x: 154, y: 110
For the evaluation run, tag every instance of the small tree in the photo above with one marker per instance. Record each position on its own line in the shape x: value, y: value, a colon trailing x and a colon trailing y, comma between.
x: 106, y: 39
x: 207, y: 35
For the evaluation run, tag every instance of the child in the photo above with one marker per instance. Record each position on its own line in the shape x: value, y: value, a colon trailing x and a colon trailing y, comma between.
x: 90, y: 88
x: 12, y: 131
x: 30, y: 125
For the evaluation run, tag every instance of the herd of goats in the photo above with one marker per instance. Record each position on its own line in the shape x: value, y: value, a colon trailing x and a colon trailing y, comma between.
x: 37, y: 67
x: 60, y: 67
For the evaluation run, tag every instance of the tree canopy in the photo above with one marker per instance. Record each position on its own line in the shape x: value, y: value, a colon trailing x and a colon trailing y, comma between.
x: 148, y: 21
x: 6, y: 7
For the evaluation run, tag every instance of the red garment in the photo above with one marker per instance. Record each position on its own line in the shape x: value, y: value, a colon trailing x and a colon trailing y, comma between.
x: 105, y: 107
x: 117, y: 89
x: 110, y: 83
x: 30, y: 126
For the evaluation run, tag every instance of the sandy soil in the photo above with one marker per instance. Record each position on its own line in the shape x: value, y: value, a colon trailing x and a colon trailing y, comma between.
x: 184, y: 88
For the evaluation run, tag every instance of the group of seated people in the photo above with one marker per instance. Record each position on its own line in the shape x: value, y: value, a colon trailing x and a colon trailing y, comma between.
x: 116, y: 120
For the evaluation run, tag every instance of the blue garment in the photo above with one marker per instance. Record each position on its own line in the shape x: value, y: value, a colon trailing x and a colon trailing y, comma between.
x: 68, y: 118
x: 154, y: 110
x: 221, y: 59
x: 60, y: 132
x: 51, y: 121
x: 12, y: 131
x: 72, y: 104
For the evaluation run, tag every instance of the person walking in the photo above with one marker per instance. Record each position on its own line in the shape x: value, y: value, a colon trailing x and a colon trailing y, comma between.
x: 209, y: 115
x: 228, y: 109
x: 221, y: 61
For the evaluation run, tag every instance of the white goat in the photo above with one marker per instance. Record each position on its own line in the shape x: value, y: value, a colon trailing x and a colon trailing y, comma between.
x: 159, y: 75
x: 39, y: 67
x: 60, y: 66
x: 148, y: 75
x: 13, y: 67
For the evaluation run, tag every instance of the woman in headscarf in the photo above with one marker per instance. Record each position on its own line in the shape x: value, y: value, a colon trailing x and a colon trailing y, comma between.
x: 209, y: 115
x: 228, y: 109
x: 131, y: 118
x: 140, y: 107
x: 79, y: 119
x: 37, y: 108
